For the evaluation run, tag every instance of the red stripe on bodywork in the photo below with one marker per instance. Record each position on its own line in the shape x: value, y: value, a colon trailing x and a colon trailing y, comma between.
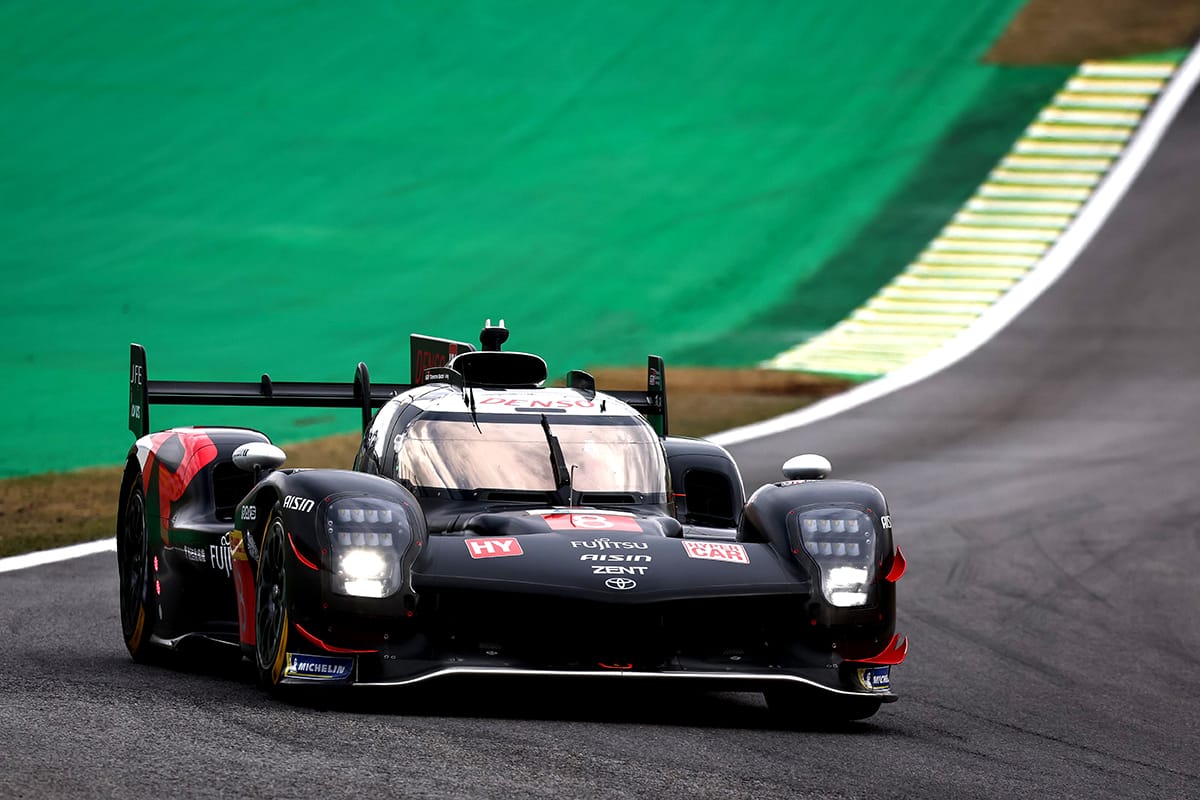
x: 894, y: 653
x: 198, y: 452
x: 899, y: 566
x: 328, y: 647
x: 300, y: 556
x: 243, y: 585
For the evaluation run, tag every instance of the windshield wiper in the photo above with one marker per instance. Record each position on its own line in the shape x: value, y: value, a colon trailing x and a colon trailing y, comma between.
x: 469, y: 399
x: 558, y: 462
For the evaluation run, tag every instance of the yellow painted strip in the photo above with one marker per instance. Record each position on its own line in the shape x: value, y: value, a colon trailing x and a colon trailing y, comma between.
x: 1054, y: 222
x: 1057, y: 164
x: 850, y: 367
x: 925, y: 295
x: 1103, y: 133
x: 1038, y: 192
x: 1128, y: 69
x: 1115, y: 85
x: 880, y: 338
x: 1132, y: 102
x: 888, y: 305
x: 956, y: 283
x: 1076, y: 116
x: 875, y: 315
x: 926, y: 270
x: 924, y: 327
x: 1029, y: 146
x: 978, y: 259
x: 882, y: 342
x: 868, y: 350
x: 1004, y: 234
x: 988, y: 204
x: 945, y: 244
x: 1042, y: 177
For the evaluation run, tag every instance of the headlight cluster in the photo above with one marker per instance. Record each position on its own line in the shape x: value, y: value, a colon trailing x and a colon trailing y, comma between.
x: 842, y: 541
x: 367, y: 535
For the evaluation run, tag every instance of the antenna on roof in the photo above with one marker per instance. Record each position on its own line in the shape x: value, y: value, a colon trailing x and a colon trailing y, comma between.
x: 492, y: 337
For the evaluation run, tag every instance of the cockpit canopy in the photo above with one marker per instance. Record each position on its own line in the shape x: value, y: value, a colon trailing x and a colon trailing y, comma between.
x: 513, y: 452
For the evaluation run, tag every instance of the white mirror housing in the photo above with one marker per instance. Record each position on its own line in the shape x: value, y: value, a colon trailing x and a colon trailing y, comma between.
x: 258, y: 455
x: 807, y: 467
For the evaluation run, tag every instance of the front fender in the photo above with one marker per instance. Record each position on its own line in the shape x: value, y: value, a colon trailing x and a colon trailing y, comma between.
x: 301, y: 498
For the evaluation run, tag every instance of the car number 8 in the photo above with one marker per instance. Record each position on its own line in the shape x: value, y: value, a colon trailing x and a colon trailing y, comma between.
x: 592, y: 521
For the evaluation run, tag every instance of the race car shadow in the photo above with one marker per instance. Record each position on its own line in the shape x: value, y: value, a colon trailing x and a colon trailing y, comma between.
x: 531, y: 700
x: 611, y: 701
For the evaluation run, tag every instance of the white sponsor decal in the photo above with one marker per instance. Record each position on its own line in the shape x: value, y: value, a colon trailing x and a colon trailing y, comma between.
x: 717, y: 551
x: 615, y: 557
x: 606, y: 569
x: 251, y: 547
x: 298, y: 503
x: 609, y: 544
x: 621, y: 584
x: 219, y: 556
x: 193, y: 553
x: 875, y: 679
x: 494, y: 548
x: 886, y: 521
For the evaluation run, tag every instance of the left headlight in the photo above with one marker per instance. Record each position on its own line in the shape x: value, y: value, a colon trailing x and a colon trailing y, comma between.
x: 842, y: 541
x: 367, y: 536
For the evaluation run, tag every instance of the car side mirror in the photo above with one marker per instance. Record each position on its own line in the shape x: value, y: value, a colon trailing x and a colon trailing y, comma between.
x: 257, y: 456
x: 807, y: 467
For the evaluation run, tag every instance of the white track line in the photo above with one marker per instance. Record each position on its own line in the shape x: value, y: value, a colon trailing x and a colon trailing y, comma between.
x: 1052, y: 265
x: 57, y: 554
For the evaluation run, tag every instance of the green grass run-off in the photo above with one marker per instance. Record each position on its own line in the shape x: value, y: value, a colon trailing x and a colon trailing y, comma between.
x: 292, y: 188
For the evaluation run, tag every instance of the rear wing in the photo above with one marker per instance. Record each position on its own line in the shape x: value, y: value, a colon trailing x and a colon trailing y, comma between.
x: 430, y: 359
x: 360, y: 393
x: 652, y: 403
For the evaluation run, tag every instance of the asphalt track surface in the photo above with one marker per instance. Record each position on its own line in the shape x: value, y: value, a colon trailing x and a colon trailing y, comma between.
x: 1044, y: 490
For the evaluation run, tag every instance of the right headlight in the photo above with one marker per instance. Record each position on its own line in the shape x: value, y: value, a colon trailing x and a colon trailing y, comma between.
x: 842, y: 542
x: 367, y: 536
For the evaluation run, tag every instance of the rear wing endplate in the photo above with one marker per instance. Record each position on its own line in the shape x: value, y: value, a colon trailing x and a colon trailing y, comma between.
x: 652, y: 403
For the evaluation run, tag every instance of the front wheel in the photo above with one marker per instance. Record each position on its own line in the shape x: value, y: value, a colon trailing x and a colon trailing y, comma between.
x: 271, y: 607
x: 138, y: 603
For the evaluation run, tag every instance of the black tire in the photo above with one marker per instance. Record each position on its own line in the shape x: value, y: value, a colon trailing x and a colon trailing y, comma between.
x: 138, y: 602
x: 271, y: 607
x: 797, y: 707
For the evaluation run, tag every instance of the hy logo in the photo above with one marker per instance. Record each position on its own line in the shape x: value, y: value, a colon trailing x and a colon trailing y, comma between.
x: 620, y: 584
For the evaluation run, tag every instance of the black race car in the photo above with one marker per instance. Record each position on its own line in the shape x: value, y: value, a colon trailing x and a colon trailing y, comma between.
x: 493, y: 525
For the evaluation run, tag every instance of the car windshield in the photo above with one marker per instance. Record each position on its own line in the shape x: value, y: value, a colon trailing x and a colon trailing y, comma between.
x: 504, y: 451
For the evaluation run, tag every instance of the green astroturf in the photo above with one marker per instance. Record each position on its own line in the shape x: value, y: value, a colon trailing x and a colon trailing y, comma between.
x: 294, y: 187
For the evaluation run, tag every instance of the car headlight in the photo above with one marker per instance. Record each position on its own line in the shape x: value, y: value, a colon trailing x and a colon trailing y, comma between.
x: 842, y: 542
x: 367, y: 536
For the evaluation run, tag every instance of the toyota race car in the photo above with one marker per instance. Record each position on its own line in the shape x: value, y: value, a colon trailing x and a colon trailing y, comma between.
x: 492, y: 525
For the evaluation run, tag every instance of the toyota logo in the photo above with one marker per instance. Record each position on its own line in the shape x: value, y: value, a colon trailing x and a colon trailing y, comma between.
x: 620, y: 583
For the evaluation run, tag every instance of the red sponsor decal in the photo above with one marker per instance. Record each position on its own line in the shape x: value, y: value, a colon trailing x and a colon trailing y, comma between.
x: 717, y: 551
x: 494, y: 548
x: 526, y: 402
x: 591, y: 522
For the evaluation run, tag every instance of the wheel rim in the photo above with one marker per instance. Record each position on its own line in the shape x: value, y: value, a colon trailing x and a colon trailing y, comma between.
x: 133, y: 560
x: 271, y: 611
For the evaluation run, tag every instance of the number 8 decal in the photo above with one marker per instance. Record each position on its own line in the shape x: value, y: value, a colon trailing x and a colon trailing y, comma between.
x: 590, y: 521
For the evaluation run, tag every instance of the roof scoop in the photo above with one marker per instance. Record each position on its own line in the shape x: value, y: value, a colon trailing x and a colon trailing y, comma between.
x: 491, y: 337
